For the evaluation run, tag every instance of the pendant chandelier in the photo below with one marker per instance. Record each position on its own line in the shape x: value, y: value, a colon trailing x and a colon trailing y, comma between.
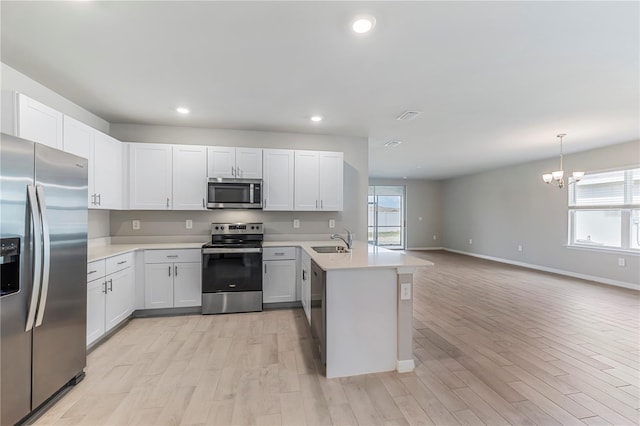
x: 557, y: 178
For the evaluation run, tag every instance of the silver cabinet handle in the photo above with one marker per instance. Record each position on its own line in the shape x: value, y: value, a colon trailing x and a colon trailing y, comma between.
x: 167, y: 202
x: 203, y: 202
x: 265, y: 268
x: 105, y: 287
x: 122, y: 262
x: 169, y: 270
x: 278, y: 254
x: 46, y: 255
x: 93, y: 199
x: 37, y: 255
x: 175, y: 270
x: 172, y: 256
x: 304, y: 278
x: 233, y: 171
x: 99, y: 199
x: 91, y: 272
x: 110, y: 284
x: 322, y: 204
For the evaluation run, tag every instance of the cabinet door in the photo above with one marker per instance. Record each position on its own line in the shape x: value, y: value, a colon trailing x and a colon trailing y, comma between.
x: 95, y: 310
x: 187, y: 288
x: 158, y: 285
x: 278, y: 179
x: 279, y: 281
x: 189, y: 177
x: 221, y: 161
x: 150, y: 176
x: 39, y: 123
x: 77, y: 137
x: 249, y: 163
x: 306, y: 180
x: 107, y: 171
x: 120, y: 295
x: 331, y: 180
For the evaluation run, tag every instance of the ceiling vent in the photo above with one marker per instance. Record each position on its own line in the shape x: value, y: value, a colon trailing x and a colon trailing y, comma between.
x: 408, y: 115
x: 391, y: 144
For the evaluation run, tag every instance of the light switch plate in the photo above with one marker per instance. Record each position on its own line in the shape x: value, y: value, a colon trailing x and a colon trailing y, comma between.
x: 296, y: 223
x: 332, y: 223
x: 189, y: 224
x: 135, y: 224
x: 405, y: 291
x: 622, y: 261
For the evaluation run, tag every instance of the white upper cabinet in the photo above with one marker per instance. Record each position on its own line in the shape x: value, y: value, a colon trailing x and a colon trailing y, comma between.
x: 150, y: 177
x: 249, y: 163
x: 278, y: 176
x: 189, y: 177
x: 105, y: 173
x: 29, y: 119
x: 318, y: 180
x: 78, y: 137
x: 331, y: 180
x: 230, y: 162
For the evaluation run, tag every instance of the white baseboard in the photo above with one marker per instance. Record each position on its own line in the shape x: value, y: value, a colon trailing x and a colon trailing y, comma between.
x: 425, y: 248
x: 597, y: 279
x: 405, y: 365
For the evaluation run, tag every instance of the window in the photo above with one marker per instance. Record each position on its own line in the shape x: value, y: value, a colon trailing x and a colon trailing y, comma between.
x: 604, y: 210
x: 386, y: 216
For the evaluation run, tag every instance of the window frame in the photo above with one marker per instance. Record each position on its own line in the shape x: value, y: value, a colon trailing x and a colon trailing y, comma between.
x: 625, y: 209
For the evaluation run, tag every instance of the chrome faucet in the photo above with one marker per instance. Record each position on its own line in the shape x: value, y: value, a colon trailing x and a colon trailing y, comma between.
x: 348, y: 241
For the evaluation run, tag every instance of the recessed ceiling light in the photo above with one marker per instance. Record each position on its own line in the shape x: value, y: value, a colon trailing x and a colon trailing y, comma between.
x: 316, y: 118
x: 404, y: 177
x: 393, y: 143
x: 182, y: 110
x: 408, y: 115
x: 363, y: 24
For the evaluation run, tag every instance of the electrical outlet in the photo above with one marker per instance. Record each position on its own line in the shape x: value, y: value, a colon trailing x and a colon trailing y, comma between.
x: 189, y: 224
x: 622, y: 261
x: 470, y: 241
x: 405, y: 291
x: 519, y: 247
x: 435, y: 237
x: 135, y: 224
x: 296, y: 223
x: 332, y: 223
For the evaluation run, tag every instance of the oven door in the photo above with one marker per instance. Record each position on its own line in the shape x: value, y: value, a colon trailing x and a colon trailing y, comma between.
x: 231, y: 270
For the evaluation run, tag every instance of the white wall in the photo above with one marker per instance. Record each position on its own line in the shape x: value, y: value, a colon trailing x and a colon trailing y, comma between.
x: 423, y: 201
x: 503, y: 208
x: 354, y: 215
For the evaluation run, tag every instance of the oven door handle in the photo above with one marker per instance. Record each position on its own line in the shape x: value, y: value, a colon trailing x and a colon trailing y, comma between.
x: 230, y: 250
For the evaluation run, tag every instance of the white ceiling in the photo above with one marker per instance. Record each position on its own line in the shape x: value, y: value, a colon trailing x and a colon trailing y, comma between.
x: 496, y: 81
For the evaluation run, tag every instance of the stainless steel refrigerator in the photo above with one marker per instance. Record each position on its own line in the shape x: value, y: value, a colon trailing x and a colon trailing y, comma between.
x: 43, y: 302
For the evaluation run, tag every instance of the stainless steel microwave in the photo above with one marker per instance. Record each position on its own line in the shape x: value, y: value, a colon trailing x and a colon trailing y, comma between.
x: 234, y: 193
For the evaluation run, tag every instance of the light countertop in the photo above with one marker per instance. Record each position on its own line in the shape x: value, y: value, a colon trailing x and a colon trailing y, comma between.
x: 108, y: 250
x: 361, y: 256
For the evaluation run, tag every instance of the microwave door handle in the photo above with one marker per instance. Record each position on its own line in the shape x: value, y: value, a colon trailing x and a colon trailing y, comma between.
x: 37, y: 255
x: 251, y: 199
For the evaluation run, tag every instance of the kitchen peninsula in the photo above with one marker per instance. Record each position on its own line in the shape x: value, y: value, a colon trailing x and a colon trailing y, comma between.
x: 365, y: 306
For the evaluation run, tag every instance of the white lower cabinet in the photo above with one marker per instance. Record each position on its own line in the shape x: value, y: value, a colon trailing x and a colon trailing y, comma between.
x: 172, y: 279
x: 305, y: 287
x: 279, y: 274
x: 110, y: 294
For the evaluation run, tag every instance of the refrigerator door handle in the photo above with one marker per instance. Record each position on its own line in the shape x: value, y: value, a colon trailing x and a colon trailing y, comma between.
x: 37, y: 255
x: 46, y: 254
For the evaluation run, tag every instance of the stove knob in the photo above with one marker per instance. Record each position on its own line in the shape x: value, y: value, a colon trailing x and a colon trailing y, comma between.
x: 222, y: 228
x: 216, y: 227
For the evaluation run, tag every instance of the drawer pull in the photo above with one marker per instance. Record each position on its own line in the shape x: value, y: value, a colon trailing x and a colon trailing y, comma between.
x: 91, y: 272
x: 278, y: 254
x: 172, y: 256
x: 122, y: 262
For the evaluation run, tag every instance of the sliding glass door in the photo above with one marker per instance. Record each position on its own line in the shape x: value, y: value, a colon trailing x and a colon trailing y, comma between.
x: 386, y: 216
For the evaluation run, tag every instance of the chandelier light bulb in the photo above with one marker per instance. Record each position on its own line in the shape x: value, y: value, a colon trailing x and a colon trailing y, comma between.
x: 557, y: 178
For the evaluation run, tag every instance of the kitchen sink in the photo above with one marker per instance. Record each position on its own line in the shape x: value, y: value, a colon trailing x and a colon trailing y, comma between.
x: 331, y: 249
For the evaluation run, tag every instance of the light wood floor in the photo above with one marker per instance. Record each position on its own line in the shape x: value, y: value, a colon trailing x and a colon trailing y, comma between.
x: 493, y: 344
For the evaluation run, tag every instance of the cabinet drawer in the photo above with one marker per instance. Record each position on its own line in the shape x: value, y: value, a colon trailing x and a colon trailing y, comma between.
x: 118, y: 263
x: 95, y: 270
x: 279, y: 253
x: 163, y: 256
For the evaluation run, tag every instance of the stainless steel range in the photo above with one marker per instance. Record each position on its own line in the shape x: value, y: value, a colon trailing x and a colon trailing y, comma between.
x: 232, y: 269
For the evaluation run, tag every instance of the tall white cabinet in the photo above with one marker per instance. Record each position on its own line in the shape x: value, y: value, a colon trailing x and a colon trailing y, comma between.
x: 150, y: 176
x: 278, y: 172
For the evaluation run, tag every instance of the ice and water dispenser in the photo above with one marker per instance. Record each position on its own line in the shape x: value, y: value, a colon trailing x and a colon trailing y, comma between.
x: 9, y: 266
